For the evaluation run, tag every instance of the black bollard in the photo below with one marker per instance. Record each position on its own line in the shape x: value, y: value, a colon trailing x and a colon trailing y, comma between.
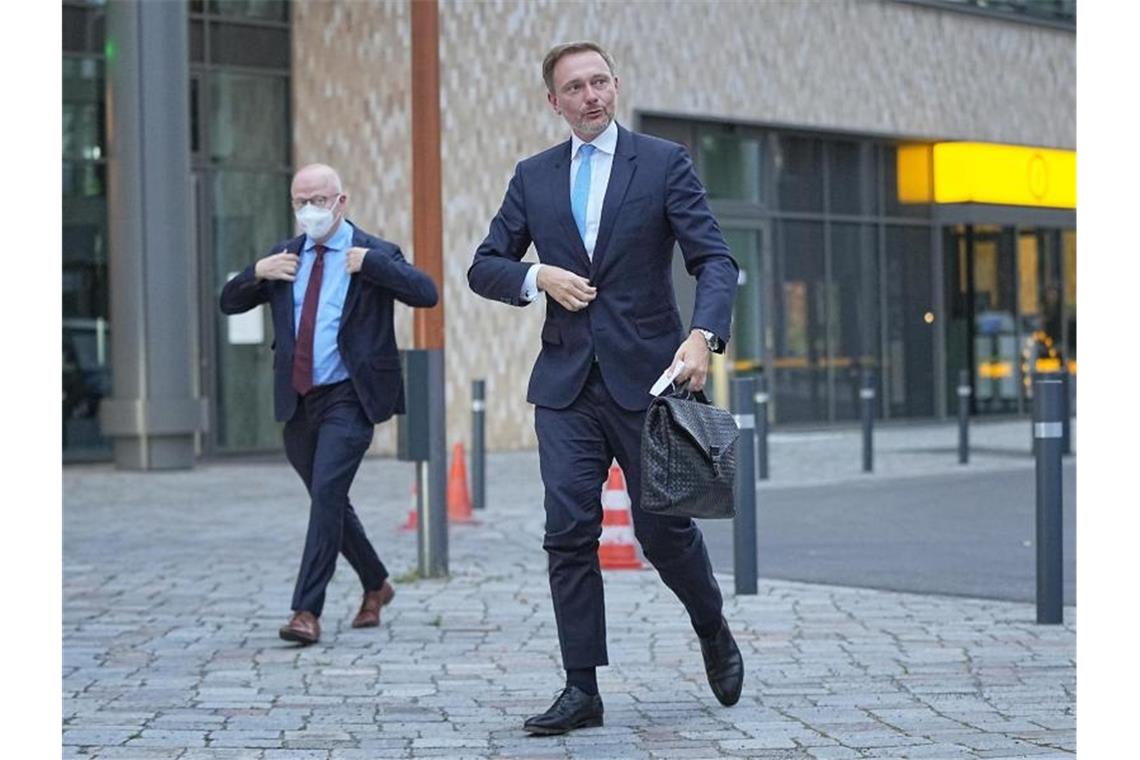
x: 478, y: 444
x: 867, y: 394
x: 963, y: 416
x: 1047, y: 410
x: 1066, y: 439
x: 744, y: 524
x: 761, y: 427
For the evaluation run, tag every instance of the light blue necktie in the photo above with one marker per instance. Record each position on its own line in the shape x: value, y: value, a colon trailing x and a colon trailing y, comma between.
x: 580, y: 197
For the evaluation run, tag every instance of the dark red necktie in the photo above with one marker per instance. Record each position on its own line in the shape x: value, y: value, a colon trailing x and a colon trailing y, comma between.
x: 303, y: 350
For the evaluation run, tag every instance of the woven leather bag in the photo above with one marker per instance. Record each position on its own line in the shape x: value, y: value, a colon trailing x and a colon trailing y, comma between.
x: 688, y: 457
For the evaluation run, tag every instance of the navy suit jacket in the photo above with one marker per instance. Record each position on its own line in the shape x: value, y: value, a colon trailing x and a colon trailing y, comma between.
x: 366, y: 340
x: 633, y: 327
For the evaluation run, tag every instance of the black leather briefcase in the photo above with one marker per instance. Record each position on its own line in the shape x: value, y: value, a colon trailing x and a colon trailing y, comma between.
x: 688, y: 457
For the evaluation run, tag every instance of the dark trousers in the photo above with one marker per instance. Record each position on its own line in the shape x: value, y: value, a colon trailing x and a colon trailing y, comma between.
x: 575, y: 448
x: 325, y: 441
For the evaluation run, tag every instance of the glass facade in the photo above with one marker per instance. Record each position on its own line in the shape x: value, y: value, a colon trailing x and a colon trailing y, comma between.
x: 86, y: 328
x: 241, y: 145
x: 840, y: 279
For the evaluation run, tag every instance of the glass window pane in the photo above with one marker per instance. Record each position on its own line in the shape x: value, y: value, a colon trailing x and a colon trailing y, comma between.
x: 669, y: 129
x: 243, y: 45
x: 908, y: 366
x: 83, y: 29
x: 853, y: 179
x: 82, y: 114
x: 263, y: 10
x: 747, y: 319
x: 249, y: 118
x: 798, y: 168
x: 799, y: 371
x: 730, y: 166
x: 853, y: 312
x: 1069, y: 255
x: 86, y: 330
x: 250, y: 214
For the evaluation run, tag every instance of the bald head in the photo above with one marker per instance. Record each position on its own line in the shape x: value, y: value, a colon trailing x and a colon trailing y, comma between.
x: 317, y: 175
x: 318, y: 185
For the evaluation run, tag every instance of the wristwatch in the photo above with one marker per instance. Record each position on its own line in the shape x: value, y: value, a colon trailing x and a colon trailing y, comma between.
x: 711, y: 340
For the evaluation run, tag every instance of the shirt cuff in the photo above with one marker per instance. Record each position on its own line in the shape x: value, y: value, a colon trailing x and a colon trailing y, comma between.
x: 530, y: 284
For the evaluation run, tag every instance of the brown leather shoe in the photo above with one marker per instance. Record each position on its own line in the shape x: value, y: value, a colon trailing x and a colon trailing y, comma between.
x: 369, y: 615
x: 303, y: 627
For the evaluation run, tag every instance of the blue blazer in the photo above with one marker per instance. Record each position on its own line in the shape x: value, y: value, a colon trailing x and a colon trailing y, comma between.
x: 633, y: 327
x: 366, y: 339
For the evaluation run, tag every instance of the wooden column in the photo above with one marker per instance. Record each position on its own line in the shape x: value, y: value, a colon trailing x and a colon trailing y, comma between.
x: 427, y: 174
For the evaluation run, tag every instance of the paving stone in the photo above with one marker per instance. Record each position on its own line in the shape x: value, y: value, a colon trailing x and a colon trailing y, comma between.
x: 167, y: 656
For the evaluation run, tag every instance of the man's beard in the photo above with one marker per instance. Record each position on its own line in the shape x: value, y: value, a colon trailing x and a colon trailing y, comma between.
x: 594, y: 128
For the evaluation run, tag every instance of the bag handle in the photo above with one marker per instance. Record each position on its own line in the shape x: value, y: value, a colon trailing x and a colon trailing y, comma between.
x: 682, y: 391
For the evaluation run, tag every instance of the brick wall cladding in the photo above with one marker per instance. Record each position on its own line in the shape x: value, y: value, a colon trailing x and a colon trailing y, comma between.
x: 859, y: 66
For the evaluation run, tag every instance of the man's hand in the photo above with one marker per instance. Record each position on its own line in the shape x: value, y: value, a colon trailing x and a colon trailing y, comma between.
x: 354, y: 260
x: 567, y: 288
x: 278, y: 266
x: 695, y: 353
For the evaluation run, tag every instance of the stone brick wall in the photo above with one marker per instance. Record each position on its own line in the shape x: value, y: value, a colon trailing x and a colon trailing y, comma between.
x: 862, y: 66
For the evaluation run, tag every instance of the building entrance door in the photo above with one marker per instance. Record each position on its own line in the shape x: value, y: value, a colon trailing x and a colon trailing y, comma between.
x: 1011, y: 311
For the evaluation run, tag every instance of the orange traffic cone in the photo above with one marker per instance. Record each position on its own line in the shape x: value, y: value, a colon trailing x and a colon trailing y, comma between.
x: 413, y: 520
x: 458, y: 499
x: 617, y: 550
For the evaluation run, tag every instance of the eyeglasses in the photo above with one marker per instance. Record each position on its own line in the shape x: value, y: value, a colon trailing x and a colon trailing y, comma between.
x: 317, y: 200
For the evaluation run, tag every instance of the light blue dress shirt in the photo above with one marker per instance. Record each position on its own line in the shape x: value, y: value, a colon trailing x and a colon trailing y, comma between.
x: 600, y: 165
x: 328, y: 366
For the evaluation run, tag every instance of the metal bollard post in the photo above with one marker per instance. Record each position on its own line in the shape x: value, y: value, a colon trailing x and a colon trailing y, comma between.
x: 963, y: 416
x: 1047, y: 410
x: 1066, y: 439
x: 761, y: 398
x: 744, y: 524
x: 478, y: 444
x: 867, y: 394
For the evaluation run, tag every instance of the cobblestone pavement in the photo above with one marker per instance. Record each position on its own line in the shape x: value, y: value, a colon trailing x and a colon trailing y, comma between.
x: 175, y: 584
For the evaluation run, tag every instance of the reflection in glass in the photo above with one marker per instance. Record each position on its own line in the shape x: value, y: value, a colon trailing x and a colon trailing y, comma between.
x: 747, y: 318
x: 852, y: 178
x: 997, y: 356
x: 853, y: 313
x: 249, y: 118
x: 731, y: 167
x: 798, y: 168
x: 799, y: 372
x: 86, y: 334
x: 908, y: 364
x: 250, y: 214
x: 263, y: 10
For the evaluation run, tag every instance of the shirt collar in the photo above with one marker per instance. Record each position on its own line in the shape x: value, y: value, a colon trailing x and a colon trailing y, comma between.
x: 606, y: 142
x: 341, y: 240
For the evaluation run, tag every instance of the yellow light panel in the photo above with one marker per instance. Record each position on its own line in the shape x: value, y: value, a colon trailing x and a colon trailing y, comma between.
x: 1004, y: 174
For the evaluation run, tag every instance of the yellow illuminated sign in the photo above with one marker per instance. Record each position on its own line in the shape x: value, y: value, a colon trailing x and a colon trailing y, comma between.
x: 971, y: 172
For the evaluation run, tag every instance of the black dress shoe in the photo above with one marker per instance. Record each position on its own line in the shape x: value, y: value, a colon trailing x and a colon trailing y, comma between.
x: 723, y: 665
x: 574, y: 708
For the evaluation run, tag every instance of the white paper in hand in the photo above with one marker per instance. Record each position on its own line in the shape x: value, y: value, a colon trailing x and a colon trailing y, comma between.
x: 666, y: 378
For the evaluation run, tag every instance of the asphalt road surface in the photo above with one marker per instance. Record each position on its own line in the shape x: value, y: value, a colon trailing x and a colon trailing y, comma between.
x: 961, y: 534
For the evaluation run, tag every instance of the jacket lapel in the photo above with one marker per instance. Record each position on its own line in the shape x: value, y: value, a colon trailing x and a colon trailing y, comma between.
x: 621, y: 172
x: 560, y: 200
x: 353, y: 295
x: 283, y: 303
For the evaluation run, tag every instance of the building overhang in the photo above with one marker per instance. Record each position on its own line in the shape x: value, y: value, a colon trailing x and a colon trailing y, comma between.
x: 989, y: 174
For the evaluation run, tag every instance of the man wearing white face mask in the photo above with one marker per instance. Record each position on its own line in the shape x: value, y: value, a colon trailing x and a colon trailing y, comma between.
x: 336, y: 375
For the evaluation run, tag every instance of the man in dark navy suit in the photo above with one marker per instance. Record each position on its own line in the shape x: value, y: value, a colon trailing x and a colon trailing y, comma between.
x: 336, y: 375
x: 604, y: 210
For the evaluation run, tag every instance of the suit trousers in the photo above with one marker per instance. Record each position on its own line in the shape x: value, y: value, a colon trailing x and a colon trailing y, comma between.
x: 575, y: 448
x: 325, y: 441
